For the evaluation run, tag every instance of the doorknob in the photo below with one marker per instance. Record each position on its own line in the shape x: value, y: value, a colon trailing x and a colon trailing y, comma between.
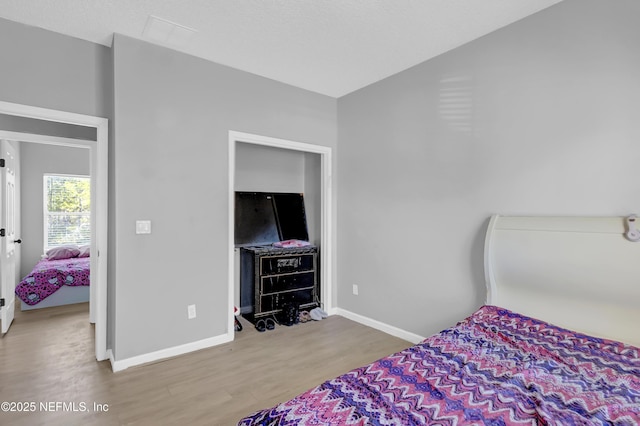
x: 18, y: 241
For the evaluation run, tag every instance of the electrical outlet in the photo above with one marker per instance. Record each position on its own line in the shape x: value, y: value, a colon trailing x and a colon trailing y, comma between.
x: 355, y: 289
x: 191, y: 311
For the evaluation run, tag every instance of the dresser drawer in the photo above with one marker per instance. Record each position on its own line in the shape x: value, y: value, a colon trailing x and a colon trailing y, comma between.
x: 270, y: 303
x: 270, y: 265
x: 284, y: 282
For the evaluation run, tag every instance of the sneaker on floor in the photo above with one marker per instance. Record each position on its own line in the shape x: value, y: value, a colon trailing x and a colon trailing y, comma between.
x: 315, y: 315
x: 323, y: 313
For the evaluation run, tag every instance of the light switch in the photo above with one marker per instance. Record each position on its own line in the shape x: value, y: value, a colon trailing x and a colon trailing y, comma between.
x: 143, y: 226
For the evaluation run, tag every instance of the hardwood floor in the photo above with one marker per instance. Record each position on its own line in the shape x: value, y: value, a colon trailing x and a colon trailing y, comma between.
x: 48, y: 357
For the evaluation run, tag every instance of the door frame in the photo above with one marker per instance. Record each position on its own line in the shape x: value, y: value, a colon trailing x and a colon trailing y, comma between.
x: 326, y: 213
x: 99, y: 210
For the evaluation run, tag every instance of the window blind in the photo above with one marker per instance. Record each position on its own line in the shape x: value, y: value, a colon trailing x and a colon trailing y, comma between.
x: 67, y: 210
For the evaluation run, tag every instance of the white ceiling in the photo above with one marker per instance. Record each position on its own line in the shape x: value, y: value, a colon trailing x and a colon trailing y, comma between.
x: 331, y: 47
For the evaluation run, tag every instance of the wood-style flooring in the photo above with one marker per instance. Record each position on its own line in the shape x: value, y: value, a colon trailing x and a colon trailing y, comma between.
x: 48, y: 357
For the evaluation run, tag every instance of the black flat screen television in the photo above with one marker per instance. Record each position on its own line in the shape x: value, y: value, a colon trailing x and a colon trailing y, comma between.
x: 263, y: 218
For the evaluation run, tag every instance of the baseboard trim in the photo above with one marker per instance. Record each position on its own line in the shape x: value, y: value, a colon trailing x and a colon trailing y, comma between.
x: 378, y: 325
x: 123, y: 364
x: 111, y: 359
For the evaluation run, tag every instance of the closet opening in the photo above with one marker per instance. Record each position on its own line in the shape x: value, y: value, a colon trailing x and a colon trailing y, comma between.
x: 272, y: 175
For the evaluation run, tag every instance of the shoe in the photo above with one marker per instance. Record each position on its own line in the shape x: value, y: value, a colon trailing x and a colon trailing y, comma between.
x: 270, y: 324
x: 315, y: 315
x: 323, y: 313
x: 261, y: 326
x: 304, y: 316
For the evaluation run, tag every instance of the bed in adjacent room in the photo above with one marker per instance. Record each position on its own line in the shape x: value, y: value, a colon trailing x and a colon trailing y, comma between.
x: 61, y: 278
x: 557, y: 342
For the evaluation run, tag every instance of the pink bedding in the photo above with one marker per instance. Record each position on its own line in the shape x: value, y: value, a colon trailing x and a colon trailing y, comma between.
x: 495, y: 368
x: 48, y: 276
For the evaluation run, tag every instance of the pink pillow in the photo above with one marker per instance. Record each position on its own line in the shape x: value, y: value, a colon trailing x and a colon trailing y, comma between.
x: 84, y: 251
x: 62, y: 252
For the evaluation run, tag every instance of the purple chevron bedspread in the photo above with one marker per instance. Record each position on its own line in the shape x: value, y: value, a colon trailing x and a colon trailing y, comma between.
x: 48, y: 276
x: 494, y: 368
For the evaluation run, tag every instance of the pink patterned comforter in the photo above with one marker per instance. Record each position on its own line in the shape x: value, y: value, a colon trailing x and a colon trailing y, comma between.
x: 49, y: 275
x: 494, y: 368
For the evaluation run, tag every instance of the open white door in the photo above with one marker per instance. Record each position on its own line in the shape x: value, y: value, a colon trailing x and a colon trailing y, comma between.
x: 8, y: 212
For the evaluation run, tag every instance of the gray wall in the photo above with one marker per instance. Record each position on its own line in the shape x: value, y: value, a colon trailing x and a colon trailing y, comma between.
x: 172, y: 117
x: 35, y: 161
x: 541, y: 117
x: 50, y: 70
x: 268, y: 169
x: 313, y: 196
x: 42, y: 127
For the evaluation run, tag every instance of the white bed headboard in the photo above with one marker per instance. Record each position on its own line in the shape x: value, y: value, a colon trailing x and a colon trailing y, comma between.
x: 579, y: 273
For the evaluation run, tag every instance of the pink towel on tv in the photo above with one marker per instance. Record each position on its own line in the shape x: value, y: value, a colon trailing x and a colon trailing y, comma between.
x: 291, y: 243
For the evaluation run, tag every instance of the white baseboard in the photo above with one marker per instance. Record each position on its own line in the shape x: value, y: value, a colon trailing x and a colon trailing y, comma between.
x: 386, y: 328
x: 123, y: 364
x: 110, y: 358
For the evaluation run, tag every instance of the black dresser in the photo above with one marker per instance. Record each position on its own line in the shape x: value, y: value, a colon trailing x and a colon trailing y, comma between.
x: 271, y: 277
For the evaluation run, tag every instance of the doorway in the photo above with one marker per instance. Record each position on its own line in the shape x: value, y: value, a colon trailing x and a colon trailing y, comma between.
x: 326, y: 213
x: 99, y: 197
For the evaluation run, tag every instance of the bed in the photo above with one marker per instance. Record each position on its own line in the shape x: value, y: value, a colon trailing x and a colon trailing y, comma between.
x: 556, y: 342
x: 55, y: 282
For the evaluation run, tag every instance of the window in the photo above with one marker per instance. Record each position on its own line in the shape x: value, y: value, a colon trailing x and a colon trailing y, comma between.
x: 67, y: 210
